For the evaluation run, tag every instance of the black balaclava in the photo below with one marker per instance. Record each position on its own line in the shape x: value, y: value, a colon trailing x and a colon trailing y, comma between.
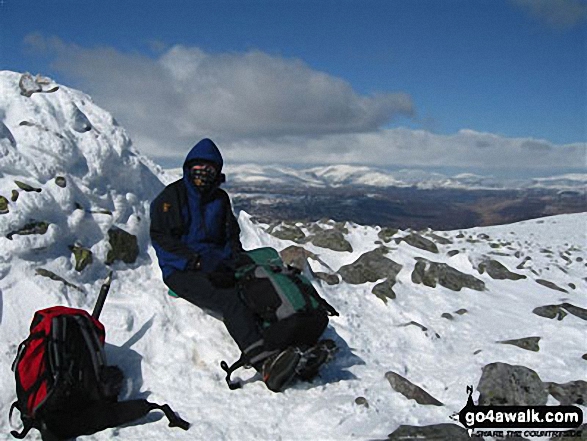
x: 203, y: 175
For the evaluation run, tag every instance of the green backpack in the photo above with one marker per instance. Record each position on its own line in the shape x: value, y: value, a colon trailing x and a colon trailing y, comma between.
x: 289, y: 309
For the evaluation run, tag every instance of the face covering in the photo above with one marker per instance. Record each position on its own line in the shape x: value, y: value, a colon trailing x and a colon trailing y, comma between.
x: 203, y: 176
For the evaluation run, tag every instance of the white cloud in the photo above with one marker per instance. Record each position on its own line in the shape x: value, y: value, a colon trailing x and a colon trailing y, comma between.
x: 185, y: 93
x: 263, y: 108
x: 414, y: 148
x: 559, y: 14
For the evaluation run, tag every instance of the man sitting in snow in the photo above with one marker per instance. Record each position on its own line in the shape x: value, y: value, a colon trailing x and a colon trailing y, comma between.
x: 196, y: 238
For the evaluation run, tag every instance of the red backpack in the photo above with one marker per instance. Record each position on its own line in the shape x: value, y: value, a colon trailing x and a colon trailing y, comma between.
x: 64, y: 386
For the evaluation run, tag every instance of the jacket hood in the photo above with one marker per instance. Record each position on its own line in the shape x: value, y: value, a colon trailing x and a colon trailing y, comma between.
x: 206, y: 150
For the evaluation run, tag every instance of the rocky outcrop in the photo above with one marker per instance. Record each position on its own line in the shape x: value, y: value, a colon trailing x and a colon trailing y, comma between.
x: 527, y: 343
x: 26, y: 187
x: 123, y: 246
x: 410, y: 390
x: 384, y: 290
x: 420, y: 242
x: 560, y: 311
x: 285, y: 231
x: 60, y: 181
x: 29, y: 85
x: 551, y: 285
x: 550, y: 311
x: 370, y: 267
x: 331, y: 239
x: 330, y: 279
x: 496, y: 270
x: 34, y: 227
x: 573, y: 392
x: 51, y: 275
x: 362, y: 401
x: 502, y: 384
x: 386, y: 233
x: 296, y: 256
x: 3, y: 205
x: 83, y: 257
x: 433, y: 273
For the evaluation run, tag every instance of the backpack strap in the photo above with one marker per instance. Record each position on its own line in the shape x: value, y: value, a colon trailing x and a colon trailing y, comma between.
x: 174, y: 419
x: 27, y: 423
x: 309, y: 292
x: 250, y: 357
x: 103, y: 415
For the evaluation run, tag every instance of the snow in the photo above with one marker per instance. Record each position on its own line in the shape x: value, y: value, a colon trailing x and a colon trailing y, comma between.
x: 170, y: 350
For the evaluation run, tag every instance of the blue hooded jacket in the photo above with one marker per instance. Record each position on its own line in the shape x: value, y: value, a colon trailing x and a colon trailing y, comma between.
x: 187, y: 226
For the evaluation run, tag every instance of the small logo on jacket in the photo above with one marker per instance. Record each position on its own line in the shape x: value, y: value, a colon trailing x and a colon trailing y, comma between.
x: 166, y: 207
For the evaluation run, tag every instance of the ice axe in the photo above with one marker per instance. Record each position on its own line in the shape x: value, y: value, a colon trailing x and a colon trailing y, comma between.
x: 102, y: 296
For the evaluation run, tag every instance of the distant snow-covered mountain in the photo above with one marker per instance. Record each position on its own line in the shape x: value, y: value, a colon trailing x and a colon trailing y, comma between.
x: 334, y: 176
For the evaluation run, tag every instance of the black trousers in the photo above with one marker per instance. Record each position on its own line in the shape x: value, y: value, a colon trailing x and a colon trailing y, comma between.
x: 240, y: 322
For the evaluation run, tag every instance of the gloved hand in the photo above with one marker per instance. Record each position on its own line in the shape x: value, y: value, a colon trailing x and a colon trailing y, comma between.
x: 222, y: 276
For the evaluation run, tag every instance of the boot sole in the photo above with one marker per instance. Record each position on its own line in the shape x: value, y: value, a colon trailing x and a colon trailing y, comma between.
x: 282, y: 370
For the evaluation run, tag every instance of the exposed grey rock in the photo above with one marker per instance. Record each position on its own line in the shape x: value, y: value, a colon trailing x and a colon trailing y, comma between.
x: 483, y: 236
x: 447, y: 316
x: 331, y: 239
x: 435, y: 432
x: 51, y: 275
x: 420, y: 242
x: 384, y: 290
x: 572, y: 285
x: 26, y: 187
x: 453, y: 253
x: 496, y: 270
x: 362, y: 401
x: 296, y: 256
x: 433, y: 273
x: 461, y: 311
x: 386, y: 234
x: 287, y: 232
x: 502, y: 384
x: 123, y: 245
x: 29, y: 85
x: 60, y: 181
x: 550, y: 311
x: 330, y: 279
x: 418, y: 325
x: 33, y: 227
x: 370, y: 267
x: 439, y: 239
x: 573, y: 392
x: 584, y: 356
x: 80, y: 122
x: 575, y: 310
x: 410, y: 390
x: 3, y: 205
x: 528, y: 343
x: 83, y: 257
x: 551, y: 285
x: 14, y: 196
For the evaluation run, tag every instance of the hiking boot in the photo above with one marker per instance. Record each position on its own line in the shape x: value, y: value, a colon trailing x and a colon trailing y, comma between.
x: 314, y: 358
x: 278, y: 370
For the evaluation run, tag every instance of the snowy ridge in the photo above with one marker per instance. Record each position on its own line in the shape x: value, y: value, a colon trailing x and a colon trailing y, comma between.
x: 352, y: 175
x: 170, y: 350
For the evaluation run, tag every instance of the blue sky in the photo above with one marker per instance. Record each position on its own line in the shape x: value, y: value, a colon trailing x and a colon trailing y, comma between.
x: 340, y: 76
